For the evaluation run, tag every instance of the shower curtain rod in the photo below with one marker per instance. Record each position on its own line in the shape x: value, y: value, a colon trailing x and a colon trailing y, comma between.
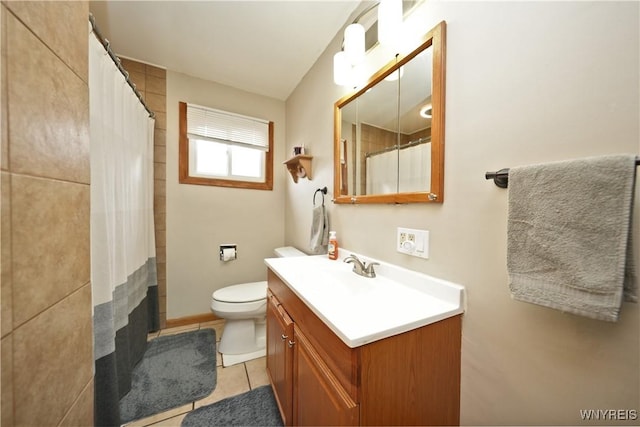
x: 116, y: 60
x: 423, y: 140
x: 501, y: 177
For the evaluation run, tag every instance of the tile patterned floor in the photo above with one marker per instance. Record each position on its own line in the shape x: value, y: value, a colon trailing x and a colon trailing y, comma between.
x: 231, y: 381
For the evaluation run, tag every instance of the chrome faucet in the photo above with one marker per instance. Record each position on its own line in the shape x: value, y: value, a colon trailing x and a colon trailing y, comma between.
x: 360, y: 267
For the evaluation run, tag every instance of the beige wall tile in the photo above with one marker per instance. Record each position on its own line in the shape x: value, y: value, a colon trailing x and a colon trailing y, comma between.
x: 159, y: 203
x: 156, y: 103
x: 161, y: 239
x: 156, y: 72
x: 133, y: 66
x: 162, y: 269
x: 62, y: 25
x: 53, y: 360
x: 4, y: 139
x: 161, y: 254
x: 155, y: 84
x: 81, y: 413
x: 159, y: 171
x: 138, y: 79
x: 6, y: 298
x: 160, y: 137
x: 50, y: 238
x: 160, y: 219
x: 160, y: 154
x: 159, y: 187
x: 44, y: 91
x: 6, y: 378
x: 162, y: 292
x: 161, y: 120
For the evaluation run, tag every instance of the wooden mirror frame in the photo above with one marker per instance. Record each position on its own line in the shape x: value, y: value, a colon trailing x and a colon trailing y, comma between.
x: 436, y: 38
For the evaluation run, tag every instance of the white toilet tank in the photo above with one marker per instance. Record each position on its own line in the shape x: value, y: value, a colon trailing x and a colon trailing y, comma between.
x: 288, y: 251
x: 233, y: 300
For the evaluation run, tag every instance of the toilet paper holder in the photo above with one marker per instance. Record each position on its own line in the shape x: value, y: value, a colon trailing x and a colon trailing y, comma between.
x: 228, y: 252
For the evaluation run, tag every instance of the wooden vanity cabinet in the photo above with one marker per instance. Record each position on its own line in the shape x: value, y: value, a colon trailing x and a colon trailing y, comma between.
x: 408, y: 379
x: 280, y: 355
x: 318, y: 397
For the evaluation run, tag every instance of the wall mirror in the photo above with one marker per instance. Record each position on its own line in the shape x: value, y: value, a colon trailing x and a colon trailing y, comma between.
x: 389, y: 134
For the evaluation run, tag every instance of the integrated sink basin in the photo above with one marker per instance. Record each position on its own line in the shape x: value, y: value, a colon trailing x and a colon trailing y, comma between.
x: 360, y: 310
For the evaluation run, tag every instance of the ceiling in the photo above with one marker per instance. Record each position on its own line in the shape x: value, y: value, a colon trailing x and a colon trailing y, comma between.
x: 264, y: 47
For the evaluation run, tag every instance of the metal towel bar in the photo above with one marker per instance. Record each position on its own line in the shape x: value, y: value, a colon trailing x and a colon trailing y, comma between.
x: 501, y: 177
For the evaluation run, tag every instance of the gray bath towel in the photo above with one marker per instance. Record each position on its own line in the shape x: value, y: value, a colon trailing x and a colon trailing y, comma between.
x: 569, y: 235
x: 319, y: 230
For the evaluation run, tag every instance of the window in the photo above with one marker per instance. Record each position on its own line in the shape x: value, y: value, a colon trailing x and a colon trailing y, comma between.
x: 224, y: 149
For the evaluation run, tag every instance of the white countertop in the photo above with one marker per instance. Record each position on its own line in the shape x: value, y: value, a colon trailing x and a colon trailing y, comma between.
x: 361, y: 310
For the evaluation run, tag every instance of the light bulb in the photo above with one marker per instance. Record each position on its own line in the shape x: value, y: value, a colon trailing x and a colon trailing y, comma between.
x: 426, y: 111
x: 354, y: 43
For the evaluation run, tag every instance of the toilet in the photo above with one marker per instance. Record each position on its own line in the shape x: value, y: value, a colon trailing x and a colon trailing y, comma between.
x: 244, y: 308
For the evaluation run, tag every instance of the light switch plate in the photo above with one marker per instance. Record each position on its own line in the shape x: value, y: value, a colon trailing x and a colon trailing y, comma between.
x: 413, y: 242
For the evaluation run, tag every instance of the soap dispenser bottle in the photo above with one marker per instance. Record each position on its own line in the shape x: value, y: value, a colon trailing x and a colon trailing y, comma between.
x: 333, y: 245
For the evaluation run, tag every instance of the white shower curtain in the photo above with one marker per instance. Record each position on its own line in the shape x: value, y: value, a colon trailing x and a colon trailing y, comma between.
x: 411, y: 171
x: 415, y: 168
x: 123, y: 268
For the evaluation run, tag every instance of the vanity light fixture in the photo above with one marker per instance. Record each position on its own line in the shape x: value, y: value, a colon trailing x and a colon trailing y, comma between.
x: 353, y: 45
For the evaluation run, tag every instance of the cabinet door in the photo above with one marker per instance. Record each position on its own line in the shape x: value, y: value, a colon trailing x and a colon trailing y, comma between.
x: 279, y: 356
x: 318, y: 397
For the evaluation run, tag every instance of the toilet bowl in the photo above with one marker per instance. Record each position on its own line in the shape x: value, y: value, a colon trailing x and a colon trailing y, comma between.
x: 244, y: 308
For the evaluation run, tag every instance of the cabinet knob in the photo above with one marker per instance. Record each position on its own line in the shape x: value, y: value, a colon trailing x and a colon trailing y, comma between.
x: 284, y: 337
x: 291, y: 343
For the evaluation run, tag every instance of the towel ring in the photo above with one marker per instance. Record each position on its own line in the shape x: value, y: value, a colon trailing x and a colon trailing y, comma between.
x: 323, y: 191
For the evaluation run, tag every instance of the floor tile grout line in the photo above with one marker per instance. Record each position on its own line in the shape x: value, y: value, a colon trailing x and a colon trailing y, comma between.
x: 246, y: 372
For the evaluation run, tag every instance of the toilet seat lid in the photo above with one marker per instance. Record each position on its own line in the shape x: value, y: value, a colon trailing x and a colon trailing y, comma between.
x: 244, y: 292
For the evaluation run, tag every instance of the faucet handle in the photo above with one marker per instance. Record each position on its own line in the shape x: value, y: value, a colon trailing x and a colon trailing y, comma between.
x: 369, y: 269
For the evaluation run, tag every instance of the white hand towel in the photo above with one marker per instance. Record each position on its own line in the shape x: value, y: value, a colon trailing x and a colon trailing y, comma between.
x: 569, y: 235
x: 319, y: 230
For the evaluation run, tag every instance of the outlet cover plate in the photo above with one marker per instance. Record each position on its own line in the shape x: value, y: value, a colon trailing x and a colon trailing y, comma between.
x: 413, y: 242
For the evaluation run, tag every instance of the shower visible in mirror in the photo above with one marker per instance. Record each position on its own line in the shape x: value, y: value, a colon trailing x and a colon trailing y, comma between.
x: 389, y: 135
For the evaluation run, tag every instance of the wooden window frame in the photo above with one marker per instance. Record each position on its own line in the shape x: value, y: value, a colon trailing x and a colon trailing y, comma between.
x: 183, y: 161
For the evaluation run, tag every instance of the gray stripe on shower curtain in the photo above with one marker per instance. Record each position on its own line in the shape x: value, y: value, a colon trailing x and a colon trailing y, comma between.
x: 126, y: 298
x: 117, y: 349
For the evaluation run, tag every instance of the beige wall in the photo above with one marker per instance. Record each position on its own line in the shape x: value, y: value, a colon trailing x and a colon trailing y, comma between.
x: 47, y: 359
x: 527, y: 82
x: 200, y: 218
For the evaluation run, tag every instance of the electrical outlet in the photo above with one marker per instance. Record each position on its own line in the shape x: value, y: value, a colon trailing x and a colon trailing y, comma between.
x: 413, y: 242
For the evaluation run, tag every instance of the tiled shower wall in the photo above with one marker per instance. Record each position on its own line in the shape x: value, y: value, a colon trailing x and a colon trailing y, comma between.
x: 47, y: 361
x: 151, y: 82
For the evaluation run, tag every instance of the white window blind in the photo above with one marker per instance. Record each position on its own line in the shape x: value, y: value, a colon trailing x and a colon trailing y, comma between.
x: 228, y: 128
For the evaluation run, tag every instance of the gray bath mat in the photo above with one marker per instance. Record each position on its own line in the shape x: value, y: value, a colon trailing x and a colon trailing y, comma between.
x: 257, y: 407
x: 175, y: 370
